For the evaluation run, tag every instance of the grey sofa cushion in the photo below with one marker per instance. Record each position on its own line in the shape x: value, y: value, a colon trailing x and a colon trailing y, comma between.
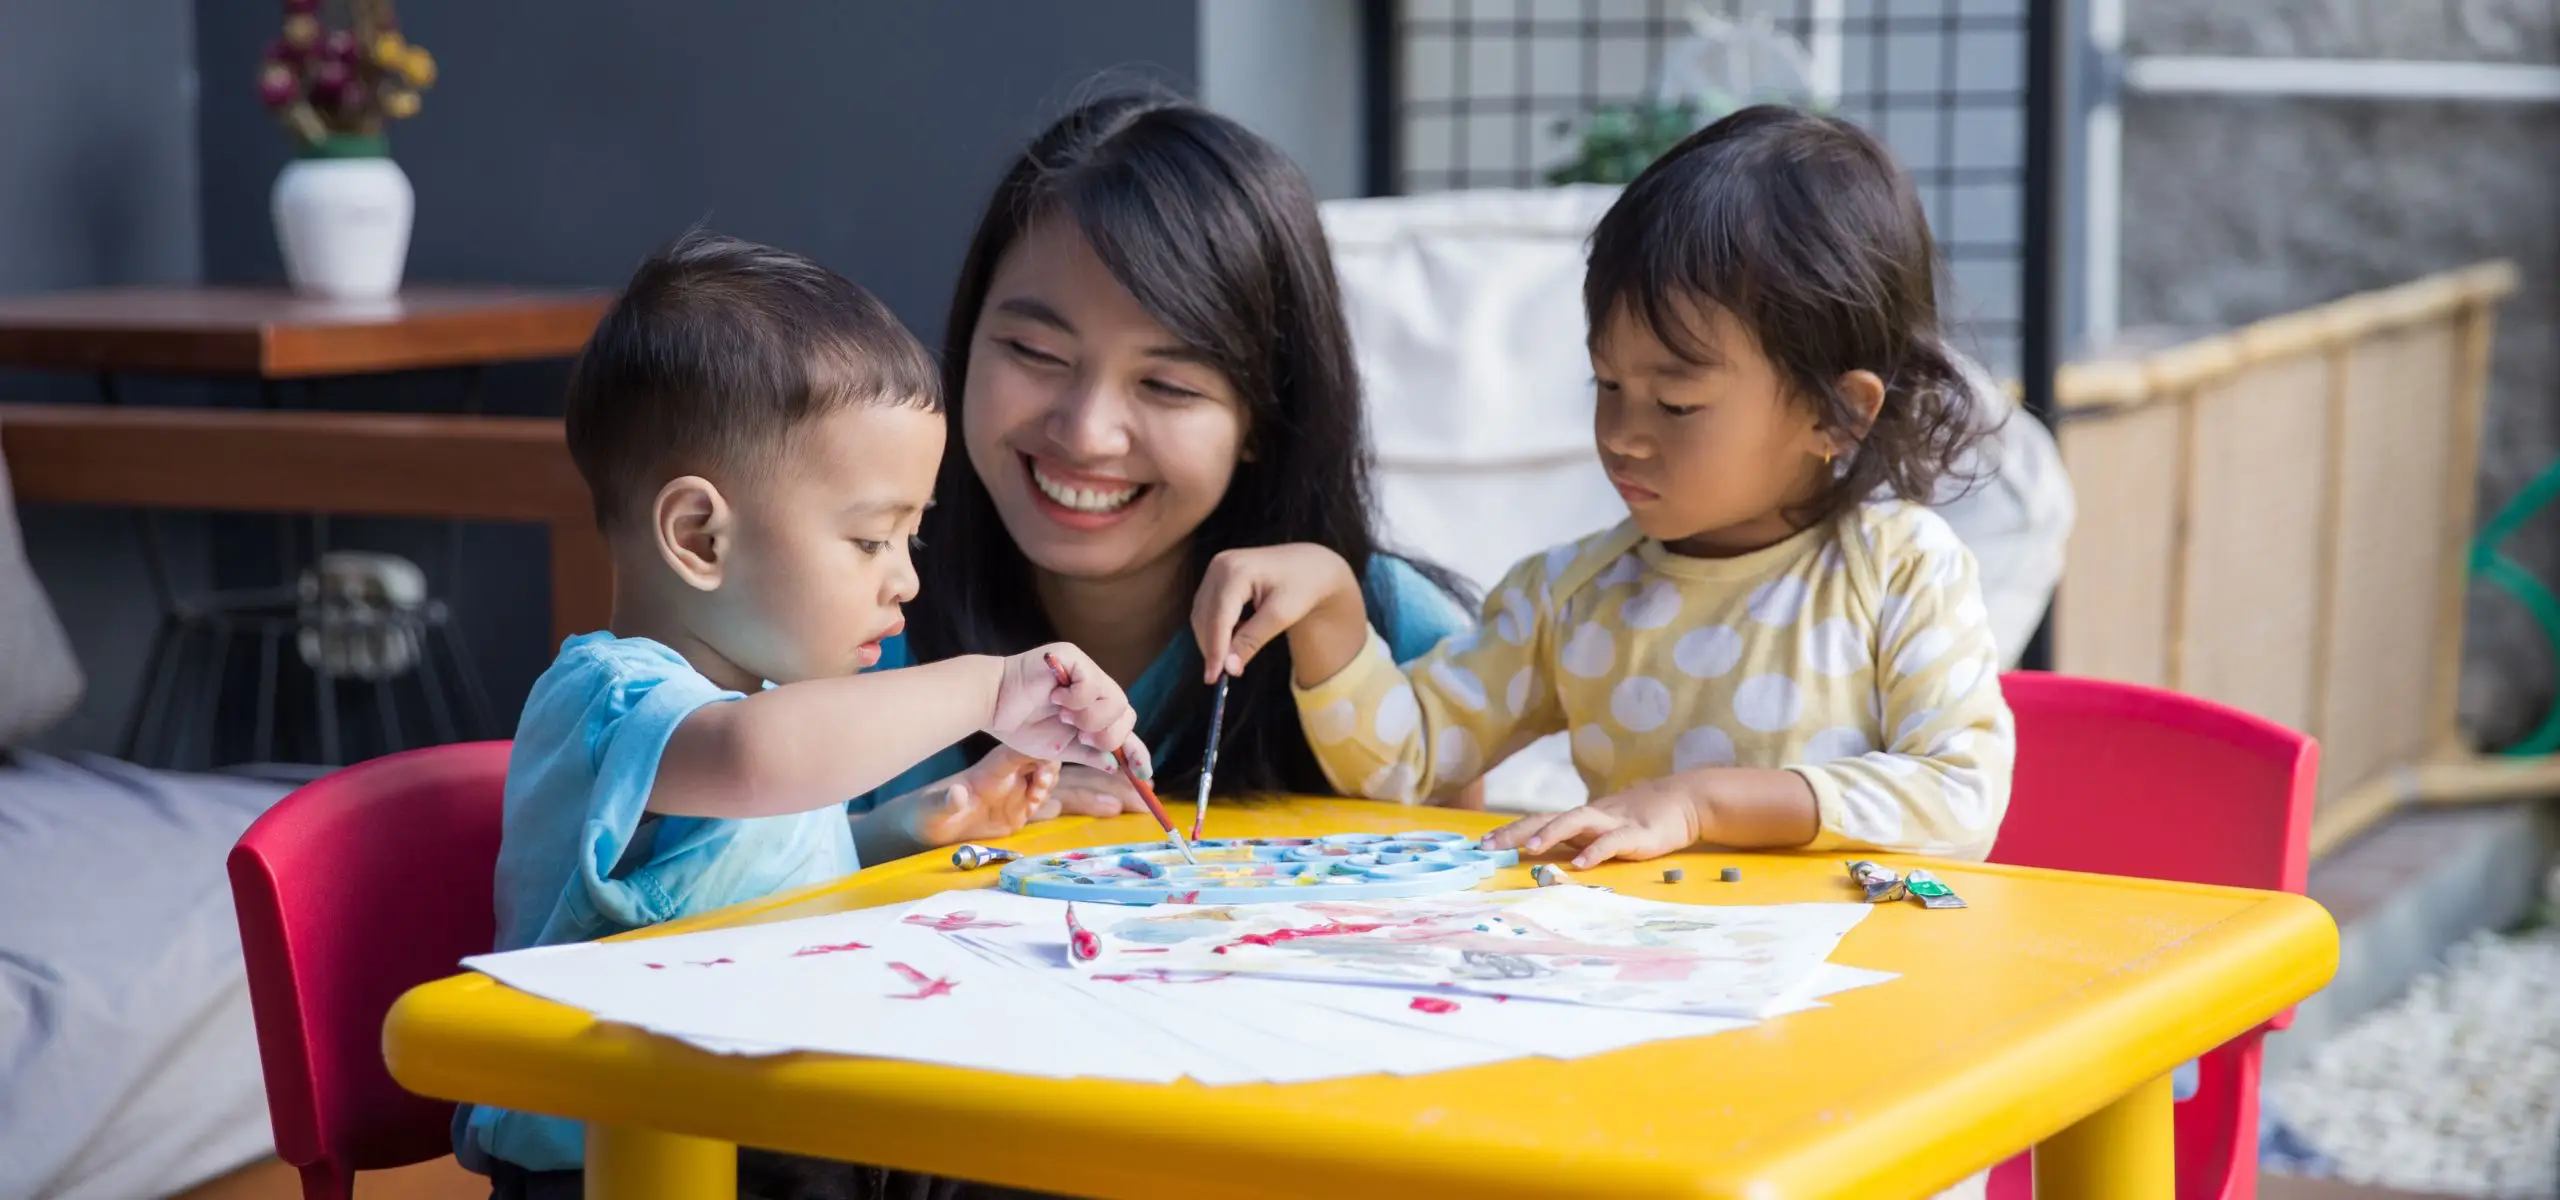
x: 39, y: 679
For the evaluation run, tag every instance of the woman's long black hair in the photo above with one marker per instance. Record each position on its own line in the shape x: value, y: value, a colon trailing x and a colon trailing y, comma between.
x: 1214, y: 231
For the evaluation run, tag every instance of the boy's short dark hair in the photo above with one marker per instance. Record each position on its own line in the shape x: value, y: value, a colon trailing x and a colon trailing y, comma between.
x: 716, y: 351
x: 1803, y: 228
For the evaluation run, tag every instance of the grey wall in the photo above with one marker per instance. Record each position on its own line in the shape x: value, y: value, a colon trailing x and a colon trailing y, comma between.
x: 2238, y: 208
x: 97, y: 186
x: 1290, y: 71
x: 562, y: 141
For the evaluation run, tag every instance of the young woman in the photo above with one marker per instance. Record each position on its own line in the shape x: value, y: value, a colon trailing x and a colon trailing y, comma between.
x: 1147, y: 365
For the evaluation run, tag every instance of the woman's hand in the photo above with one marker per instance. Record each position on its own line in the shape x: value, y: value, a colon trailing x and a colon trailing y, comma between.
x: 1302, y: 590
x: 1085, y: 792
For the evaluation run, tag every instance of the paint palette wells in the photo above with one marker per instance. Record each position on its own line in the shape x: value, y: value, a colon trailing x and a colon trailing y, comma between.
x: 1342, y: 866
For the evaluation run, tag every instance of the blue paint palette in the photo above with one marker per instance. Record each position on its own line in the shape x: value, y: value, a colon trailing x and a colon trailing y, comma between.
x: 1342, y: 866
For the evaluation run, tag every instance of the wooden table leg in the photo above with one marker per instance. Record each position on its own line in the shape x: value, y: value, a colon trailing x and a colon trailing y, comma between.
x: 624, y: 1163
x: 2121, y: 1152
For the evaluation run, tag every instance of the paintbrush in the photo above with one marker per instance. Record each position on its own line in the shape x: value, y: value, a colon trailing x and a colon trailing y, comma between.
x: 1131, y: 771
x: 1209, y: 762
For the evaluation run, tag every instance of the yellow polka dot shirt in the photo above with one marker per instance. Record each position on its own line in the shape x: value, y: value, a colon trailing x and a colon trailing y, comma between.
x: 1857, y: 654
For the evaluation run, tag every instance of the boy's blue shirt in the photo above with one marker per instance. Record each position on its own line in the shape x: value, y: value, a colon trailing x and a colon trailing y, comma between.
x: 582, y: 858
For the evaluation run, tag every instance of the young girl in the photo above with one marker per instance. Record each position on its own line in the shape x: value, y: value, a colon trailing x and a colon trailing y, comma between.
x: 1779, y: 647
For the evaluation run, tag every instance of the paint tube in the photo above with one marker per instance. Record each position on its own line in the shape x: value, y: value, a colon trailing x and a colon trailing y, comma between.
x: 972, y: 857
x: 1881, y: 883
x: 1082, y: 946
x: 1925, y: 888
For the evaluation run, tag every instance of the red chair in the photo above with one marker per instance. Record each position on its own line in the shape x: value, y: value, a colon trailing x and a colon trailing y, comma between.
x: 2120, y: 779
x: 351, y: 891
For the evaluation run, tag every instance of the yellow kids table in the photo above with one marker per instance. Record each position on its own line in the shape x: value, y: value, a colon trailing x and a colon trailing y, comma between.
x: 2047, y: 1014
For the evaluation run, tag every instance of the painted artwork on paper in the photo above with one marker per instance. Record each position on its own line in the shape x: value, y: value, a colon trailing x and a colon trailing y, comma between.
x: 1579, y: 945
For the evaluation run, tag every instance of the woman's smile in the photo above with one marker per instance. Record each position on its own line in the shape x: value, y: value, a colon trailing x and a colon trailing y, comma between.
x: 1081, y: 500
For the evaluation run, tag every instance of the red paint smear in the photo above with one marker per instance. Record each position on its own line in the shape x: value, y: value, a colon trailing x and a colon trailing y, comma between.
x: 954, y: 921
x: 1329, y: 929
x: 1191, y: 897
x: 838, y: 948
x: 1434, y: 1004
x: 655, y: 966
x: 1076, y: 856
x: 926, y: 986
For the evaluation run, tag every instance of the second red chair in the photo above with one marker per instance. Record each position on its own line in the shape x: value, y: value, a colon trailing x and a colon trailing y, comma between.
x: 2119, y: 779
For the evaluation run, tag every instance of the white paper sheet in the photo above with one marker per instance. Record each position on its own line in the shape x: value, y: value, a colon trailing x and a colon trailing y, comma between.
x: 859, y: 983
x: 981, y: 979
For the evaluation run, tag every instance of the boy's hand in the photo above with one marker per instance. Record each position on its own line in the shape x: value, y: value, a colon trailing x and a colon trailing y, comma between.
x: 1284, y: 586
x: 994, y: 798
x: 1080, y: 721
x: 1649, y: 820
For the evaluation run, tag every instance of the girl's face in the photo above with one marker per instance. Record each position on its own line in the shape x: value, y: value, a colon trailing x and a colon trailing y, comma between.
x: 1104, y: 441
x: 1708, y: 458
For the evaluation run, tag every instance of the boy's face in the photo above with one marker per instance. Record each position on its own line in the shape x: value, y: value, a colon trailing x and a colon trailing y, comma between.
x: 1708, y: 458
x: 819, y: 556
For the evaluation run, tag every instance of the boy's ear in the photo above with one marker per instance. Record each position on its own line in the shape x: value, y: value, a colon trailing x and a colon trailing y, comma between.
x: 693, y: 525
x: 1864, y: 390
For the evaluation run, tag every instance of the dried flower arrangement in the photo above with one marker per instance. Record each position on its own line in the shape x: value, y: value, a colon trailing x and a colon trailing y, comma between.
x: 333, y: 84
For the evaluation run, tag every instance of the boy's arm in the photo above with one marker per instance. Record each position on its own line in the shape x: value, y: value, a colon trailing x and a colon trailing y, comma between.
x: 993, y: 798
x: 889, y: 831
x: 804, y: 745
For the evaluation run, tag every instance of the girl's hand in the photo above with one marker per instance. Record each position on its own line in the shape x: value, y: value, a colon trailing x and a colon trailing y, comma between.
x: 1085, y: 792
x: 1649, y: 820
x: 1083, y: 720
x: 994, y: 798
x: 1302, y: 589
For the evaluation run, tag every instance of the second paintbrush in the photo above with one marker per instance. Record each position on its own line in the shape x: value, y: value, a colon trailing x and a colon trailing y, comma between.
x: 1209, y: 761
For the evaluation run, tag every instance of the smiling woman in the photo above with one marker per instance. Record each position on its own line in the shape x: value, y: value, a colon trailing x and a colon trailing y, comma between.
x: 1148, y: 365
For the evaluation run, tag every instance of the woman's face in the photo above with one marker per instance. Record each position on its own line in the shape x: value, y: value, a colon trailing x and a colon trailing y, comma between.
x: 1104, y: 441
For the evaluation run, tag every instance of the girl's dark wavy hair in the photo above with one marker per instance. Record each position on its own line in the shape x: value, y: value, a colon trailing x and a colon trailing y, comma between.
x: 1803, y: 228
x: 1214, y: 231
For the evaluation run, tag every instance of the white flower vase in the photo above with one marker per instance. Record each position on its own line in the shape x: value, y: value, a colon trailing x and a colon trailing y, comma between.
x: 342, y: 218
